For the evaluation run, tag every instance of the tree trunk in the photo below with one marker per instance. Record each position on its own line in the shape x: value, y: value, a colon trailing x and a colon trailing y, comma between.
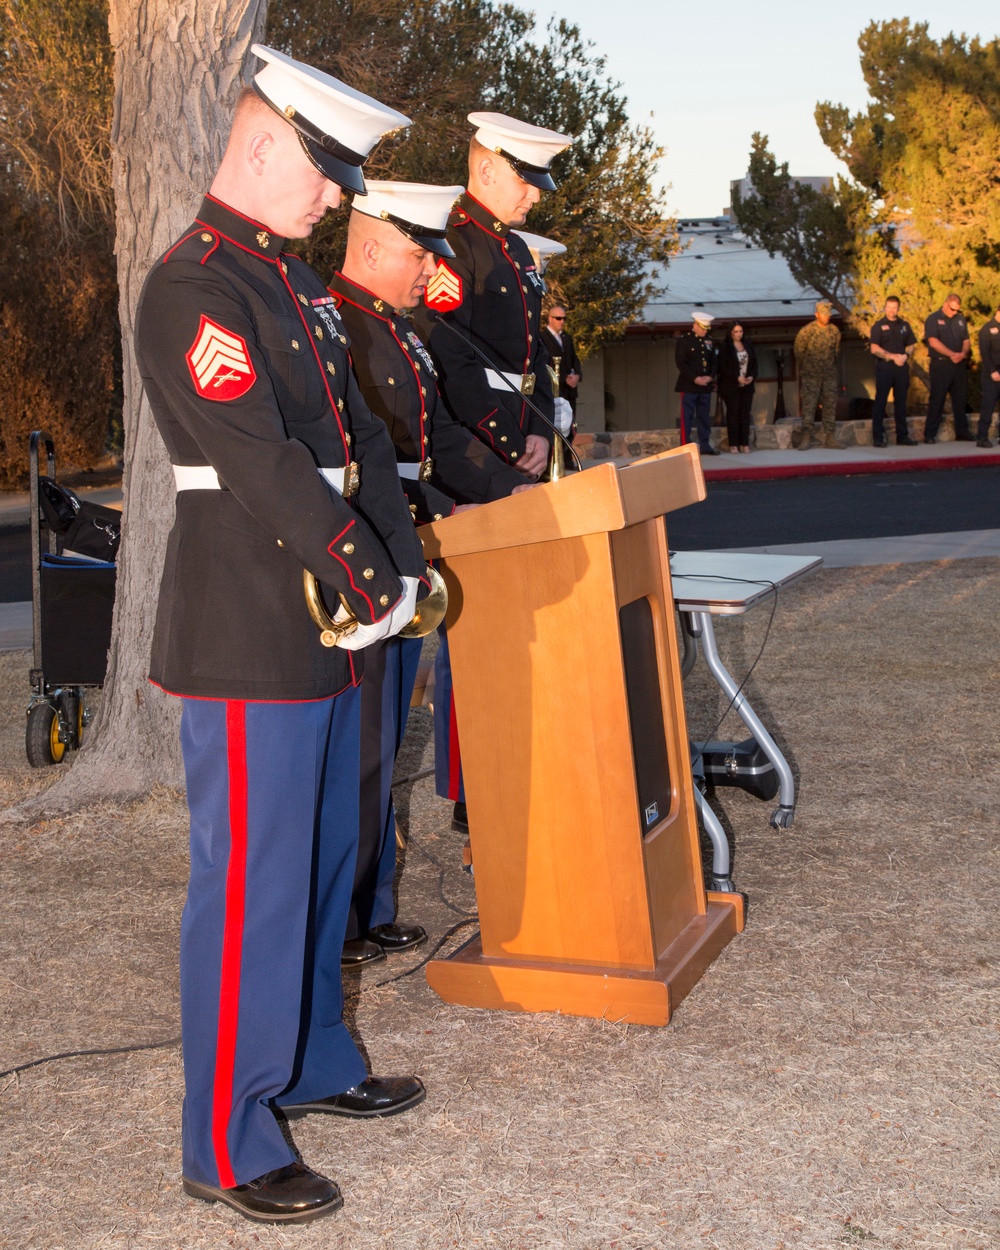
x: 179, y: 67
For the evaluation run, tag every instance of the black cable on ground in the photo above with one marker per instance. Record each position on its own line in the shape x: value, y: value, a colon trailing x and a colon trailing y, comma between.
x: 427, y: 958
x: 175, y: 1041
x: 76, y: 1054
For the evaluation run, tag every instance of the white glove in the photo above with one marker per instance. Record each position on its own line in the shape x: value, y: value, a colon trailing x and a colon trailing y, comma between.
x: 563, y: 415
x: 365, y: 635
x: 405, y: 610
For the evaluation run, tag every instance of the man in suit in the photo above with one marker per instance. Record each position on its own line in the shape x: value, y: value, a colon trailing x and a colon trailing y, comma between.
x: 561, y: 347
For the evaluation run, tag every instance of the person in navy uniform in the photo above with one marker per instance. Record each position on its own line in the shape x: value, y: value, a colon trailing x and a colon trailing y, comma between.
x: 697, y: 365
x: 947, y: 334
x: 492, y: 292
x: 892, y: 343
x: 989, y: 354
x: 560, y: 346
x: 279, y: 466
x: 395, y: 237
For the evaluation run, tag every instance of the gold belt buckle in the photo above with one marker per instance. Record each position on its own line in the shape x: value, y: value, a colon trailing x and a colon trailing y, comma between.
x: 426, y: 469
x: 527, y: 384
x: 352, y: 479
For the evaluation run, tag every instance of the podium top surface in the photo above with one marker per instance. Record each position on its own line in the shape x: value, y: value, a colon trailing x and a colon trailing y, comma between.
x: 728, y: 583
x: 598, y: 500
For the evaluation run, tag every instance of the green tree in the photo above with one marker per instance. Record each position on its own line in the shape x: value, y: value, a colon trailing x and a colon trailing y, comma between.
x: 926, y: 151
x: 437, y: 61
x: 822, y: 234
x: 58, y: 324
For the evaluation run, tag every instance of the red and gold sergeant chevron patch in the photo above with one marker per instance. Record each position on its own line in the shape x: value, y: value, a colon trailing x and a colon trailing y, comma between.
x: 220, y: 363
x: 444, y: 291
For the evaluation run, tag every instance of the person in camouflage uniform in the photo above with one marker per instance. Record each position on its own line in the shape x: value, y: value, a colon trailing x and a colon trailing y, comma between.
x: 817, y: 346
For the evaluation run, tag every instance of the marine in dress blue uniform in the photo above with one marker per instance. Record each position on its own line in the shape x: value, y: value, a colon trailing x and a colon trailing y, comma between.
x: 697, y: 364
x: 491, y: 292
x: 396, y: 234
x: 279, y: 466
x: 947, y: 335
x: 892, y: 343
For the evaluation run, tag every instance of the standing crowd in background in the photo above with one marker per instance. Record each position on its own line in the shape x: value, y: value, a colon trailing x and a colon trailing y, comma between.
x: 730, y: 369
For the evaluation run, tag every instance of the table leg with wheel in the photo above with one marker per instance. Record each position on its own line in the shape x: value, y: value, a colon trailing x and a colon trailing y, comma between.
x: 704, y: 632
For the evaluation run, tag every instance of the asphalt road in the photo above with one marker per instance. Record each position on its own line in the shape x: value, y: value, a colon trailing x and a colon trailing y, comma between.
x: 821, y: 509
x: 752, y: 514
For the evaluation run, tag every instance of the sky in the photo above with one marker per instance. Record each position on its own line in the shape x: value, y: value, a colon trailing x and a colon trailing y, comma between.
x: 705, y: 75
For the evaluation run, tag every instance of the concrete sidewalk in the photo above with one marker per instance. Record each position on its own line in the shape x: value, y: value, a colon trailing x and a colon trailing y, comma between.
x: 822, y: 461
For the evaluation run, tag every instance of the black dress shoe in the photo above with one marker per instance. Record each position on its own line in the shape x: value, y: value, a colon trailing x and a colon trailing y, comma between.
x: 879, y: 442
x: 376, y: 1095
x: 710, y: 451
x: 293, y: 1194
x: 983, y: 442
x: 906, y: 441
x: 965, y: 438
x: 398, y: 937
x: 360, y: 951
x: 460, y: 819
x: 930, y: 440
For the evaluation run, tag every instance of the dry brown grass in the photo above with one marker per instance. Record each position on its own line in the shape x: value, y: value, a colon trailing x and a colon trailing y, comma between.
x: 831, y: 1082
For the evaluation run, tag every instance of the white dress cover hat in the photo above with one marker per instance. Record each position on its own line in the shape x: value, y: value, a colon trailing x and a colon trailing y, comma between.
x: 529, y: 149
x: 419, y: 210
x: 337, y: 126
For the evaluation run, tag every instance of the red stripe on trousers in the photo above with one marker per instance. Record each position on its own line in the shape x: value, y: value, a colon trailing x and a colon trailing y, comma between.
x: 683, y: 428
x: 454, y: 759
x: 232, y: 940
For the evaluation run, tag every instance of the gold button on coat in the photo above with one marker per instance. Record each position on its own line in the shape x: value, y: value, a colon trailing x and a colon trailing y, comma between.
x: 384, y: 601
x: 295, y: 345
x: 348, y: 549
x: 368, y: 574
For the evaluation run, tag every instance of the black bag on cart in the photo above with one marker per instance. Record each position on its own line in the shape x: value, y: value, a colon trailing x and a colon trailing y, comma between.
x: 77, y: 604
x: 84, y: 528
x: 741, y: 764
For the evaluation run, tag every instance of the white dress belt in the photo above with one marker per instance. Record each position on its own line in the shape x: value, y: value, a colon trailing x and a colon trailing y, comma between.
x: 204, y: 477
x: 496, y: 380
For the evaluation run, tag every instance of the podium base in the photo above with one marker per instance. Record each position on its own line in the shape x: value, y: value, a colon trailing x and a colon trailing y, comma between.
x: 472, y: 979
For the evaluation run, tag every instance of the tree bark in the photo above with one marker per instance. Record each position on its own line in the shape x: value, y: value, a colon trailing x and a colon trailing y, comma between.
x: 179, y: 67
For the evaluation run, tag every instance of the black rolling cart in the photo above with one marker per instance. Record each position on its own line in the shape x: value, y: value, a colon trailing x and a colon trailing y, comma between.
x: 74, y: 544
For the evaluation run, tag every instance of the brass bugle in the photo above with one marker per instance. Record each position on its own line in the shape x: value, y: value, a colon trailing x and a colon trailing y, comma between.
x: 428, y: 616
x: 557, y: 464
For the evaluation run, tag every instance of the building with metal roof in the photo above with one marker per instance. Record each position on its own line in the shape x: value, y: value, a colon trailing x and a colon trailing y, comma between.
x: 630, y: 384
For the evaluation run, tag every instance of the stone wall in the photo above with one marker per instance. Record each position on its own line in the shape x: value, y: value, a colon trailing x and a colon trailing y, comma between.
x: 624, y: 443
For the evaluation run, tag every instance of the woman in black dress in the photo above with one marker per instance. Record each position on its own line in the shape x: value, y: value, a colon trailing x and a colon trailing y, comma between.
x: 737, y: 371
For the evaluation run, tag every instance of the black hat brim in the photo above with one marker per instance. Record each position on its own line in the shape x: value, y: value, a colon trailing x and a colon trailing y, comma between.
x: 348, y: 177
x: 440, y: 247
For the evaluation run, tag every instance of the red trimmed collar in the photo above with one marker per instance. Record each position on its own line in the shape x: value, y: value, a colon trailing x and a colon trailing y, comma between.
x: 469, y: 206
x: 251, y: 235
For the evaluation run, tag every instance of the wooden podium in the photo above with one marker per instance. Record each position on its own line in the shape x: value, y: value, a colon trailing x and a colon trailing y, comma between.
x: 575, y: 750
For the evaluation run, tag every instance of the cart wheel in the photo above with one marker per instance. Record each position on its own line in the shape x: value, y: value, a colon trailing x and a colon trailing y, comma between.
x: 41, y: 738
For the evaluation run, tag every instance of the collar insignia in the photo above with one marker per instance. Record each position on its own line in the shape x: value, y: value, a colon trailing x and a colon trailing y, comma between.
x: 263, y: 238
